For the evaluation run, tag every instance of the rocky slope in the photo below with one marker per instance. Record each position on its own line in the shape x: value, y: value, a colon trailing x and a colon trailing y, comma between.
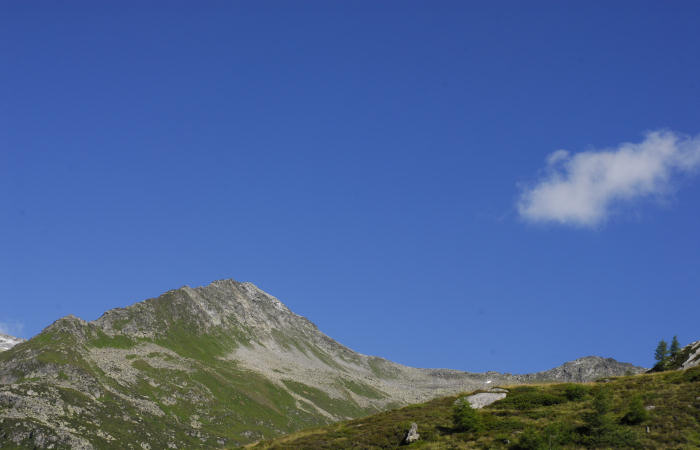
x: 7, y: 341
x: 219, y: 365
x: 693, y: 355
x: 688, y: 357
x: 585, y: 369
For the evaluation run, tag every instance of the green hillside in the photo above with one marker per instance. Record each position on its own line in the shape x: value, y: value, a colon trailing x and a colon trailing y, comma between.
x: 660, y: 410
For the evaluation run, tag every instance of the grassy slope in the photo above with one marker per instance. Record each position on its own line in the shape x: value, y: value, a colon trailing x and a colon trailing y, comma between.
x: 535, y: 416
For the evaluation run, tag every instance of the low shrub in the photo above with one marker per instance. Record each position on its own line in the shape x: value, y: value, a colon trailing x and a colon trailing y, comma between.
x: 636, y: 413
x: 552, y: 436
x: 523, y: 398
x: 465, y: 417
x: 575, y: 392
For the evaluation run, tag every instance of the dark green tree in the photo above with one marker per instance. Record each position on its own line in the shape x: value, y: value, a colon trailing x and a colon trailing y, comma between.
x: 675, y: 346
x: 465, y: 417
x: 602, y: 404
x: 661, y: 353
x: 602, y: 432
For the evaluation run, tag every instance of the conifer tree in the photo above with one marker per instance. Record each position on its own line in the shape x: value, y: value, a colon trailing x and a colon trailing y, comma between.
x: 675, y: 346
x: 661, y: 352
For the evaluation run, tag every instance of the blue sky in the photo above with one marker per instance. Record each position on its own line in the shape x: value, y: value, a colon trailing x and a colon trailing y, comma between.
x: 391, y: 170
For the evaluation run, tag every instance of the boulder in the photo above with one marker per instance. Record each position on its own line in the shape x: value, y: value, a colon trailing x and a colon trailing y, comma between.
x: 412, y: 435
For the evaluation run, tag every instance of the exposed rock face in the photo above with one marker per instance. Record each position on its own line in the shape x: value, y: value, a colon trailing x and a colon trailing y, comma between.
x: 481, y: 399
x: 7, y: 341
x: 412, y: 435
x: 693, y: 355
x: 218, y: 365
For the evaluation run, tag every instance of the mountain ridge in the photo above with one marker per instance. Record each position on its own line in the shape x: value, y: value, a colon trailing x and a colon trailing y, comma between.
x: 221, y: 364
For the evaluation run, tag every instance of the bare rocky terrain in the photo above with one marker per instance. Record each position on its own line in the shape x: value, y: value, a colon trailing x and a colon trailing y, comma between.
x: 693, y: 355
x: 214, y: 366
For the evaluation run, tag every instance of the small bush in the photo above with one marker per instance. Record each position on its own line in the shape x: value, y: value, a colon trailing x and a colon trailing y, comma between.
x: 552, y: 436
x: 531, y: 439
x: 636, y: 413
x: 465, y: 417
x: 602, y: 402
x: 599, y: 422
x: 575, y: 392
x: 526, y: 397
x: 692, y: 374
x: 601, y: 430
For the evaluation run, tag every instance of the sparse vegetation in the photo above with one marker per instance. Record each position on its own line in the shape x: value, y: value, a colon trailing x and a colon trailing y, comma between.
x: 118, y: 341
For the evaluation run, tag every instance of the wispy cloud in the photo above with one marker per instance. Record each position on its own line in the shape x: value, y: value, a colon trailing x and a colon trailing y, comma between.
x: 11, y: 328
x: 582, y: 189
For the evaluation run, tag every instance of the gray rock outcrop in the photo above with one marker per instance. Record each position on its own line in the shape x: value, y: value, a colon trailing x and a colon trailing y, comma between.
x: 412, y: 435
x: 482, y: 399
x: 693, y: 358
x: 584, y: 369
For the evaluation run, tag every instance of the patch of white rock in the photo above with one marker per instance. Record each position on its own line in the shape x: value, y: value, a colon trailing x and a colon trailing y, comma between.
x: 694, y: 357
x: 7, y: 342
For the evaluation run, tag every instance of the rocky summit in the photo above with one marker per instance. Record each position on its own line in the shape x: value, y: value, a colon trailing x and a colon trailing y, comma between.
x: 215, y: 366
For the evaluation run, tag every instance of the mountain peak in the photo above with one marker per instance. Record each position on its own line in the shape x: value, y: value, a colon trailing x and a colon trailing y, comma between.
x: 69, y: 323
x: 222, y: 304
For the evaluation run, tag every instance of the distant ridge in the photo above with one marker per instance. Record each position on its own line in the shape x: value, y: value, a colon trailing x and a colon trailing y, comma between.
x: 7, y: 341
x: 218, y: 365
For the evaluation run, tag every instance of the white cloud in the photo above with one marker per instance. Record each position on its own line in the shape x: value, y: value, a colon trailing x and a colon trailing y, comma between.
x: 11, y: 328
x: 582, y: 189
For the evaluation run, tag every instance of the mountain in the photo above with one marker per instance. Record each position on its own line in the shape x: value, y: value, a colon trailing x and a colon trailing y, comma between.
x: 213, y: 366
x: 7, y: 341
